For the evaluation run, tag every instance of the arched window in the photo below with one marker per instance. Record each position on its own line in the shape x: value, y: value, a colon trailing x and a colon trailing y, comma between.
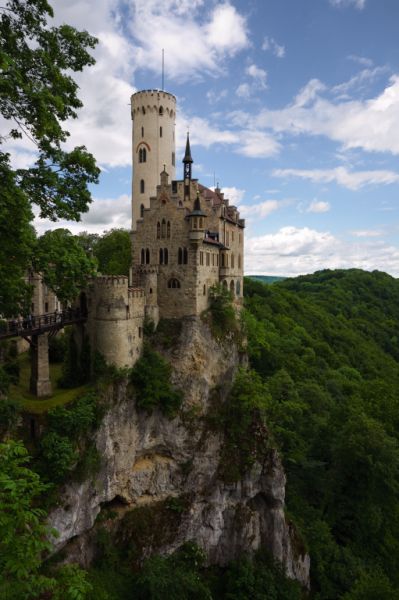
x: 141, y: 211
x: 238, y: 287
x: 185, y: 256
x: 165, y: 255
x: 158, y: 230
x: 144, y: 155
x: 160, y: 132
x: 142, y: 256
x: 180, y: 256
x: 204, y: 290
x: 232, y: 287
x: 163, y: 234
x: 239, y: 261
x: 232, y: 261
x: 142, y: 132
x: 161, y: 111
x: 161, y: 256
x: 224, y: 284
x: 142, y: 186
x: 147, y: 256
x: 173, y: 283
x: 141, y: 155
x: 168, y: 230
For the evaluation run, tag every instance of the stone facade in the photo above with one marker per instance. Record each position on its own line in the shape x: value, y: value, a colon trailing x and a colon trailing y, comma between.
x: 115, y: 320
x: 191, y: 242
x: 185, y: 239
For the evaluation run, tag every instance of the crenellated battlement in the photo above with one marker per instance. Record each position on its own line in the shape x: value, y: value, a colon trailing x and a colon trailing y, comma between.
x: 135, y: 292
x: 111, y: 281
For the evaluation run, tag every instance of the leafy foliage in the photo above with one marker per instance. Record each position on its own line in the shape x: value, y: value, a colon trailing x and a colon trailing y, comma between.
x: 327, y: 350
x: 24, y: 540
x: 113, y: 252
x: 223, y: 317
x: 151, y: 378
x: 37, y: 93
x: 65, y: 443
x: 63, y: 263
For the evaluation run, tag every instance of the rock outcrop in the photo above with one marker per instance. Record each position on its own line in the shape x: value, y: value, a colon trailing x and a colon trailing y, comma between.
x: 147, y: 460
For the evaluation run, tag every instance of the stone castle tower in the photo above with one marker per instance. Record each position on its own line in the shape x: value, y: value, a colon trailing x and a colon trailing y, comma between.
x: 185, y: 239
x: 153, y: 148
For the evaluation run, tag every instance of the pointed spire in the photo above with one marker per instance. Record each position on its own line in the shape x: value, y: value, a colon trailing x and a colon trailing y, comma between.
x: 187, y: 157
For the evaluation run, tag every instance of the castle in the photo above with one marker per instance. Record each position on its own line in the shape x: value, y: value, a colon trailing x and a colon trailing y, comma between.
x: 185, y: 239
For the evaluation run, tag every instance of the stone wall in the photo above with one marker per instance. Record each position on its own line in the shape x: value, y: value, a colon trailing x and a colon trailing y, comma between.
x: 115, y: 323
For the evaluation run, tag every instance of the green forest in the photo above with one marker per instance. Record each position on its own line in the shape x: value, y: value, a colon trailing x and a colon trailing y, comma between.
x: 323, y: 385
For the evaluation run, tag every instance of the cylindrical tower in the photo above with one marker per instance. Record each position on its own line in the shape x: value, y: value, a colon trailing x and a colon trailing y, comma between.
x: 153, y: 115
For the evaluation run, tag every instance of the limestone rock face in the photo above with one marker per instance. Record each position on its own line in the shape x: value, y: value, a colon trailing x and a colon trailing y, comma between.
x: 147, y: 459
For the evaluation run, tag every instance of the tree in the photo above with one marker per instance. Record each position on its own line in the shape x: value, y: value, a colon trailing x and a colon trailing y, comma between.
x: 37, y: 94
x: 63, y: 262
x: 25, y: 536
x: 114, y: 252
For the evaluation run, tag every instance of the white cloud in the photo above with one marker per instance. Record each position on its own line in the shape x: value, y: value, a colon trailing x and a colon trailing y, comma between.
x: 258, y: 74
x: 371, y: 124
x: 196, y: 40
x: 235, y: 195
x: 359, y: 80
x: 359, y: 4
x: 262, y: 209
x: 270, y: 43
x: 257, y: 144
x: 293, y: 251
x: 361, y: 60
x: 104, y: 214
x: 367, y: 233
x: 243, y: 90
x: 351, y: 180
x: 318, y: 206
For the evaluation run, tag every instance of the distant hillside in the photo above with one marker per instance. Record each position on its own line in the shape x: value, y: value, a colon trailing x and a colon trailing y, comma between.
x: 325, y: 348
x: 266, y: 278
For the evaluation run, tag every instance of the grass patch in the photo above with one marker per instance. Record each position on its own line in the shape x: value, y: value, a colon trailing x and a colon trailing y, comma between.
x: 21, y: 394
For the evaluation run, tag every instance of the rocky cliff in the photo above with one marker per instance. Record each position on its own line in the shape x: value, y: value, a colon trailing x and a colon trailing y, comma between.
x: 160, y: 478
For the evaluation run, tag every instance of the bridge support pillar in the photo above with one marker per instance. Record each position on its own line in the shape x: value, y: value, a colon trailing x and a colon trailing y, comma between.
x: 40, y: 383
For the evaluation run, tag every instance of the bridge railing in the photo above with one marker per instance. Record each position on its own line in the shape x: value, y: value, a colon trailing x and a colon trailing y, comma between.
x: 36, y: 324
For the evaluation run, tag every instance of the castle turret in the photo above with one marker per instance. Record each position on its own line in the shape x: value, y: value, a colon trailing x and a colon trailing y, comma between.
x: 187, y: 162
x: 197, y: 221
x: 153, y: 115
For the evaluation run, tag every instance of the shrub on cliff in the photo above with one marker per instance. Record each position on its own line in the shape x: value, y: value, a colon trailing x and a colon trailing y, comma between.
x: 151, y: 379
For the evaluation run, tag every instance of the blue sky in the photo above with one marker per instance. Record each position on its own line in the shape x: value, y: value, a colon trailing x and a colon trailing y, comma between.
x: 292, y: 105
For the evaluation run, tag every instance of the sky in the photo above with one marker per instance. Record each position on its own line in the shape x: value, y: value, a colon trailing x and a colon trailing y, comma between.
x: 292, y: 107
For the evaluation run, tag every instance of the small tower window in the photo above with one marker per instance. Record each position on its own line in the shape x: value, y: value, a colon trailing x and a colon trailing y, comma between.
x: 168, y: 230
x: 147, y: 256
x: 173, y: 283
x: 142, y: 186
x: 204, y: 290
x: 160, y: 132
x: 142, y: 132
x: 160, y: 111
x: 141, y: 205
x: 158, y: 230
x: 143, y: 110
x: 180, y: 256
x: 173, y: 159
